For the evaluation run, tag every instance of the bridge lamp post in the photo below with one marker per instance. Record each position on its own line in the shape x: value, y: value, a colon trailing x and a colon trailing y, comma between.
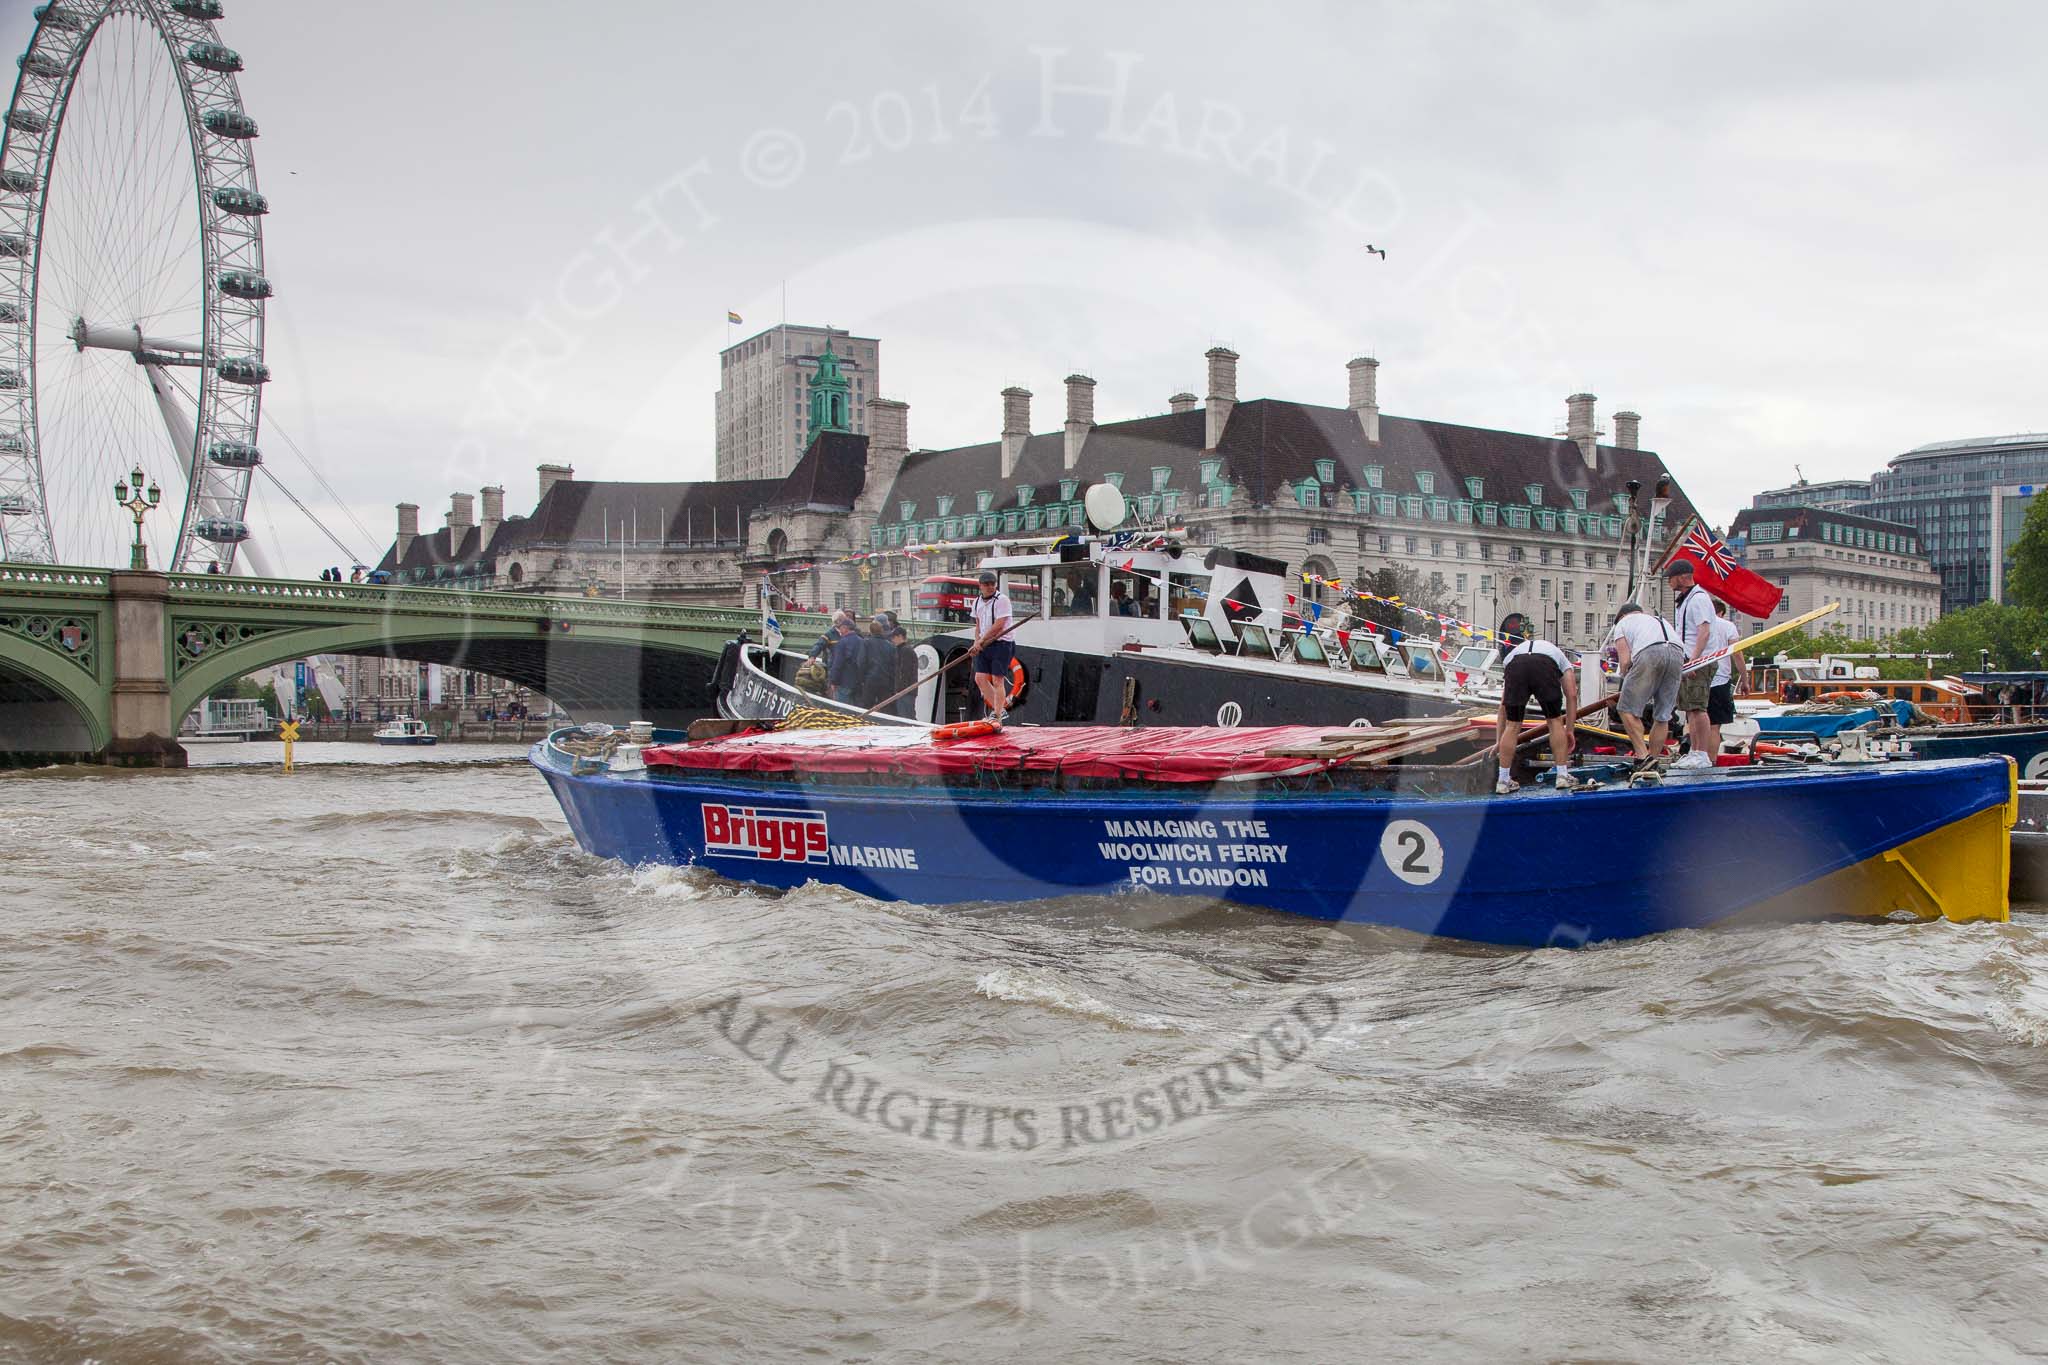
x: 139, y: 504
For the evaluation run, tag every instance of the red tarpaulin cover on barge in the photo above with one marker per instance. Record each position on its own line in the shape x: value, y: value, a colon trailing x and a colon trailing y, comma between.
x: 1195, y: 754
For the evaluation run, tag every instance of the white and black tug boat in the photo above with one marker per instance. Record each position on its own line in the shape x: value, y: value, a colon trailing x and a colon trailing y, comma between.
x: 1139, y: 629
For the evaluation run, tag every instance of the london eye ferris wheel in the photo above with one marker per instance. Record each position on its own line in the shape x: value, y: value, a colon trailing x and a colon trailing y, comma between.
x: 131, y: 283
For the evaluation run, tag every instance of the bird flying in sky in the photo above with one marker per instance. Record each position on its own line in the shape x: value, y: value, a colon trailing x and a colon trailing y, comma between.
x: 1380, y: 252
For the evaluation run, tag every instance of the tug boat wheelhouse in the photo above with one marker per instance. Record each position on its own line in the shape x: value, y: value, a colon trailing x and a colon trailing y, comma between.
x: 1137, y: 629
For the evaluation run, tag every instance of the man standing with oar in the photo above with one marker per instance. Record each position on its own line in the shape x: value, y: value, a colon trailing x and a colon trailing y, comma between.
x: 992, y: 653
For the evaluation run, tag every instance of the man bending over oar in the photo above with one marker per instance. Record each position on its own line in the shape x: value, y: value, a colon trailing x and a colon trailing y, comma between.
x: 1540, y: 670
x: 992, y: 653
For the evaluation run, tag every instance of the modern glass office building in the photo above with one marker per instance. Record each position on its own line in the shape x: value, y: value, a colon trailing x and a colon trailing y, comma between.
x: 1944, y: 492
x: 1835, y: 495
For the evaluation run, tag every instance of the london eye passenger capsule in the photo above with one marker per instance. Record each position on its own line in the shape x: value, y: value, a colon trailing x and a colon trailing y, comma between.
x: 10, y: 379
x: 228, y: 123
x: 234, y: 454
x: 16, y: 247
x: 221, y: 530
x: 235, y: 199
x: 244, y: 284
x: 26, y: 121
x: 42, y: 64
x: 57, y: 16
x: 18, y: 182
x: 242, y: 369
x: 198, y: 9
x: 12, y: 314
x: 11, y: 443
x: 214, y: 57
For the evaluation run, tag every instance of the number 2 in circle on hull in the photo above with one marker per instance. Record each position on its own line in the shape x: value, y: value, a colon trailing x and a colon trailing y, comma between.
x: 1412, y: 851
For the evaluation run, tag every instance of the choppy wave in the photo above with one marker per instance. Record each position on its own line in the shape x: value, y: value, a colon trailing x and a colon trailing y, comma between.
x: 1038, y: 986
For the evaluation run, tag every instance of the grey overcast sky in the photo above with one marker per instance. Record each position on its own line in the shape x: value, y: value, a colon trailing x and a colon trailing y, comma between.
x: 508, y: 233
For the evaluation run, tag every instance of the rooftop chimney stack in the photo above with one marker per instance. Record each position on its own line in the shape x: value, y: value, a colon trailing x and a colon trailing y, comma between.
x: 888, y: 425
x: 552, y: 474
x: 1080, y: 415
x: 1627, y: 430
x: 461, y: 513
x: 1579, y: 427
x: 888, y: 443
x: 1365, y: 395
x: 494, y: 513
x: 1222, y: 393
x: 408, y: 529
x: 1183, y: 402
x: 1016, y: 426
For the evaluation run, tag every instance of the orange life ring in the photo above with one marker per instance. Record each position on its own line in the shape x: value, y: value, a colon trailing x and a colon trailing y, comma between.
x: 966, y: 729
x: 1017, y: 681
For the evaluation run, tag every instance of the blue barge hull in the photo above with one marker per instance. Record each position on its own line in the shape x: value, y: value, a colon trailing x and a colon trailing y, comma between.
x: 1532, y: 869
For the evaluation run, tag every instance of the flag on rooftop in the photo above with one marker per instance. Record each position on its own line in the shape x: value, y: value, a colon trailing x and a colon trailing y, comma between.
x: 731, y: 316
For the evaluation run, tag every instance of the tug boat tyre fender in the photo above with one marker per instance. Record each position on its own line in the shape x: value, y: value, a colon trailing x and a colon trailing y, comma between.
x: 966, y: 729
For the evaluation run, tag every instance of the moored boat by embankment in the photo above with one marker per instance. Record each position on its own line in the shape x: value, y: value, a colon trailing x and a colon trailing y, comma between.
x: 1297, y: 820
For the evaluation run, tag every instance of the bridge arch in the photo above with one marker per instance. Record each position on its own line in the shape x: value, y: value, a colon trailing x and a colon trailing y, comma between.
x: 48, y: 705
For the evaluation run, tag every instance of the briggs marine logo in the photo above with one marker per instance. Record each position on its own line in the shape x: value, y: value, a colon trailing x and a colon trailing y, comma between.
x: 787, y: 836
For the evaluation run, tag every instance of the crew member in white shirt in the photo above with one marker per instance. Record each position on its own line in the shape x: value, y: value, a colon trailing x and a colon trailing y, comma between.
x: 1721, y: 633
x: 991, y: 649
x: 1536, y: 670
x: 1692, y: 609
x: 1651, y: 663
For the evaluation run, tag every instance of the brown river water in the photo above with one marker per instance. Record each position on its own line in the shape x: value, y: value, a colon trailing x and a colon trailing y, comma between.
x: 369, y: 1063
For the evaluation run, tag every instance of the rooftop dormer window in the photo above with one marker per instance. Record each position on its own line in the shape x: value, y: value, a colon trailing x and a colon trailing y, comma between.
x: 908, y: 509
x: 1373, y: 475
x: 1210, y: 468
x: 983, y: 500
x: 1326, y: 471
x: 1024, y: 491
x: 1535, y: 492
x: 1579, y: 499
x: 1160, y: 474
x: 1115, y: 479
x: 1425, y: 481
x: 1067, y: 487
x: 945, y: 504
x: 1475, y: 488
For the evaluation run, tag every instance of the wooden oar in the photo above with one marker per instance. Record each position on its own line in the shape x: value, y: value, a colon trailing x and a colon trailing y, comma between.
x: 906, y: 691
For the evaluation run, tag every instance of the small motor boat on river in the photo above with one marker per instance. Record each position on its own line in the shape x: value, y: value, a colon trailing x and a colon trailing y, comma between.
x: 1377, y: 826
x: 405, y: 730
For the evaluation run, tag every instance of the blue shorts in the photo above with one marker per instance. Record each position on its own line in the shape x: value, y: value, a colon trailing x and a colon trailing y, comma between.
x: 995, y: 658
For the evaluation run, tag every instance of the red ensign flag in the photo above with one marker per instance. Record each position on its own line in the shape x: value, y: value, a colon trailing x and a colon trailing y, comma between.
x: 1742, y: 589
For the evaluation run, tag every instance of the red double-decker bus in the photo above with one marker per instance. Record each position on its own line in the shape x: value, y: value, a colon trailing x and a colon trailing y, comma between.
x: 945, y: 597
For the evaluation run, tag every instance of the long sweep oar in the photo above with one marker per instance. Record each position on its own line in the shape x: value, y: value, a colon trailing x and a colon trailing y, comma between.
x: 906, y: 691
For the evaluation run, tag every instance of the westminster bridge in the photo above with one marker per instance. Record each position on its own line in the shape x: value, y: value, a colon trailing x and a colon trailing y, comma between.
x: 100, y: 665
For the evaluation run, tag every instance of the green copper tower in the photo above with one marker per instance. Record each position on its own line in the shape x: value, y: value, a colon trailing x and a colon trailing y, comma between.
x: 831, y: 396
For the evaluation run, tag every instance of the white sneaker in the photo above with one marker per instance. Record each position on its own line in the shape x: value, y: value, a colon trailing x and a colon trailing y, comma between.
x: 1692, y: 761
x: 1507, y: 786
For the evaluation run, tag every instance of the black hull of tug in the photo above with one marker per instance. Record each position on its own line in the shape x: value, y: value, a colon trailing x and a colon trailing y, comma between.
x: 1158, y: 689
